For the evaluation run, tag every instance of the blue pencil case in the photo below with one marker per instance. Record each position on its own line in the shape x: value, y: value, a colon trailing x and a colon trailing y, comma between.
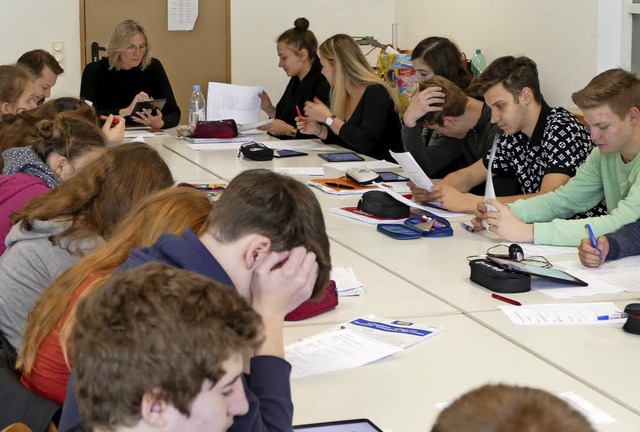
x: 398, y: 231
x: 429, y: 225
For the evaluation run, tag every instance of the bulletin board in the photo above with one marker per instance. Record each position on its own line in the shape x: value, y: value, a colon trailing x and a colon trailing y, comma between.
x: 189, y: 57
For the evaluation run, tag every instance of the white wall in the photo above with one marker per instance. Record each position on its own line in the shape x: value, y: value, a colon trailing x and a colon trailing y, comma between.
x: 255, y: 26
x: 559, y: 35
x: 30, y: 24
x: 571, y: 40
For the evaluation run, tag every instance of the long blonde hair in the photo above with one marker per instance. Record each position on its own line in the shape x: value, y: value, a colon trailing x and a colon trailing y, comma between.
x: 120, y: 39
x: 171, y: 210
x: 349, y: 65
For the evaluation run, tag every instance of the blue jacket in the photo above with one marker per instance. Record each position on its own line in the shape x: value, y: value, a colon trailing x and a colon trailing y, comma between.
x: 267, y: 388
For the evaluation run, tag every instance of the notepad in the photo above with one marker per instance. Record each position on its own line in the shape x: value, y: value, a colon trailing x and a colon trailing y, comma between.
x: 351, y: 189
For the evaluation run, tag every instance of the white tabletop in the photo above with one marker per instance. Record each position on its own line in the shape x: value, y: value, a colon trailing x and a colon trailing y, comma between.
x: 399, y: 393
x: 429, y: 278
x: 385, y: 294
x: 440, y: 266
x: 605, y: 356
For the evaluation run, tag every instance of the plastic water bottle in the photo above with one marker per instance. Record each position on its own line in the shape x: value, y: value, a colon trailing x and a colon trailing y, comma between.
x: 478, y: 63
x: 197, y: 111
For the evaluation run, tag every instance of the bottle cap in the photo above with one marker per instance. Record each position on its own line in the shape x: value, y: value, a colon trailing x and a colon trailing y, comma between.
x: 196, y: 87
x: 478, y: 50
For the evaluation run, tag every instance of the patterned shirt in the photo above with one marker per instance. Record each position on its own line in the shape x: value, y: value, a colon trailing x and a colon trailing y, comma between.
x: 560, y: 143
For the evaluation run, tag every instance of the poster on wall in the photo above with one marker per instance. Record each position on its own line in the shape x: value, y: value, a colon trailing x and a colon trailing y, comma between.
x: 182, y: 14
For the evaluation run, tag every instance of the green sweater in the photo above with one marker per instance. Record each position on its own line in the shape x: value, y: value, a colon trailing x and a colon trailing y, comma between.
x: 601, y: 175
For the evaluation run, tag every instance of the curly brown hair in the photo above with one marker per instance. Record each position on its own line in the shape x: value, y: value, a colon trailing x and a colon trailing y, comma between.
x: 155, y: 327
x: 101, y: 194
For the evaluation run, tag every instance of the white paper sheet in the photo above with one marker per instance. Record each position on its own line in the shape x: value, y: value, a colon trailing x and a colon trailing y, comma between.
x: 489, y: 191
x: 138, y: 139
x: 610, y: 278
x: 542, y: 250
x: 216, y: 146
x: 413, y: 170
x: 300, y: 171
x: 376, y: 165
x: 230, y: 101
x: 299, y: 145
x: 562, y: 314
x: 249, y: 126
x: 353, y: 344
x: 347, y: 283
x: 595, y: 415
x: 182, y: 14
x: 144, y: 133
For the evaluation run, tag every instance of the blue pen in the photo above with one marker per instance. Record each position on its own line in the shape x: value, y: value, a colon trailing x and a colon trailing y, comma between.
x: 612, y: 317
x: 594, y: 242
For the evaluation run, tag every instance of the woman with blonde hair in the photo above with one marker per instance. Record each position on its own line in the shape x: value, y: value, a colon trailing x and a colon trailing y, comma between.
x: 128, y: 75
x: 55, y: 230
x: 45, y: 358
x: 364, y: 109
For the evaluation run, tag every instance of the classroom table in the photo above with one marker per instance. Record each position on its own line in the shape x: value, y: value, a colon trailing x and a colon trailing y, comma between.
x: 399, y: 393
x: 182, y: 169
x: 428, y: 280
x: 603, y: 356
x: 384, y: 294
x: 440, y: 265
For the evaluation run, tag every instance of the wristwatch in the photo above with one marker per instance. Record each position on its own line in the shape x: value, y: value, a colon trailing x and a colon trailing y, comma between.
x: 329, y: 120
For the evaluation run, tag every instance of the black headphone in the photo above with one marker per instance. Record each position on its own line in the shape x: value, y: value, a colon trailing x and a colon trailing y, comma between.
x: 515, y: 253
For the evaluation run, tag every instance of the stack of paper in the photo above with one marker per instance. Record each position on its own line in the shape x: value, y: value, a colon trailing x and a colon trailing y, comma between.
x: 355, y: 343
x: 347, y: 284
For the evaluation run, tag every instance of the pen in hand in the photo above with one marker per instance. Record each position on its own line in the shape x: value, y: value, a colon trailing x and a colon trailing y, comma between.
x: 594, y: 242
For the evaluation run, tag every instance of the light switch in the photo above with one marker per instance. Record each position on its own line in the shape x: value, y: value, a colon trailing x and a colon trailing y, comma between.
x: 58, y: 52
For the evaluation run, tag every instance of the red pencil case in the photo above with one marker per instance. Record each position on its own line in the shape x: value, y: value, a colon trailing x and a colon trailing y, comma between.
x: 311, y: 307
x: 216, y: 129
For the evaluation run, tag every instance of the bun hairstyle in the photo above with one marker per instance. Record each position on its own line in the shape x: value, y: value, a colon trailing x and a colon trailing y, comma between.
x: 66, y: 134
x: 301, y: 24
x: 300, y: 37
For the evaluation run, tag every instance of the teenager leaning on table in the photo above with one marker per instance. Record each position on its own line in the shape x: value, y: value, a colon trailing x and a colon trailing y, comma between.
x: 611, y: 105
x: 297, y: 50
x: 363, y: 115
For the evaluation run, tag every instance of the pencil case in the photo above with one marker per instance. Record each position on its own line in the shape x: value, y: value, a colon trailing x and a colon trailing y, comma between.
x: 429, y: 225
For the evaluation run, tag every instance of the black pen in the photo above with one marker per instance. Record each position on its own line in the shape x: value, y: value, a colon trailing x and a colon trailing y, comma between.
x: 339, y: 185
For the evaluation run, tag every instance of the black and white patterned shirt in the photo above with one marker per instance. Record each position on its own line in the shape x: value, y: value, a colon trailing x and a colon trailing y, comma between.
x: 560, y: 143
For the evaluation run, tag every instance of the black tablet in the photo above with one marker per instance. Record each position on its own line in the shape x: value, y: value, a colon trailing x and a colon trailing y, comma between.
x: 152, y: 105
x: 340, y: 157
x: 355, y: 425
x: 533, y: 270
x: 388, y: 176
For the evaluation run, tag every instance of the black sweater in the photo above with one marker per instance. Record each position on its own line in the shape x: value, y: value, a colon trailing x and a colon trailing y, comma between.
x: 112, y: 90
x: 374, y: 127
x: 298, y: 92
